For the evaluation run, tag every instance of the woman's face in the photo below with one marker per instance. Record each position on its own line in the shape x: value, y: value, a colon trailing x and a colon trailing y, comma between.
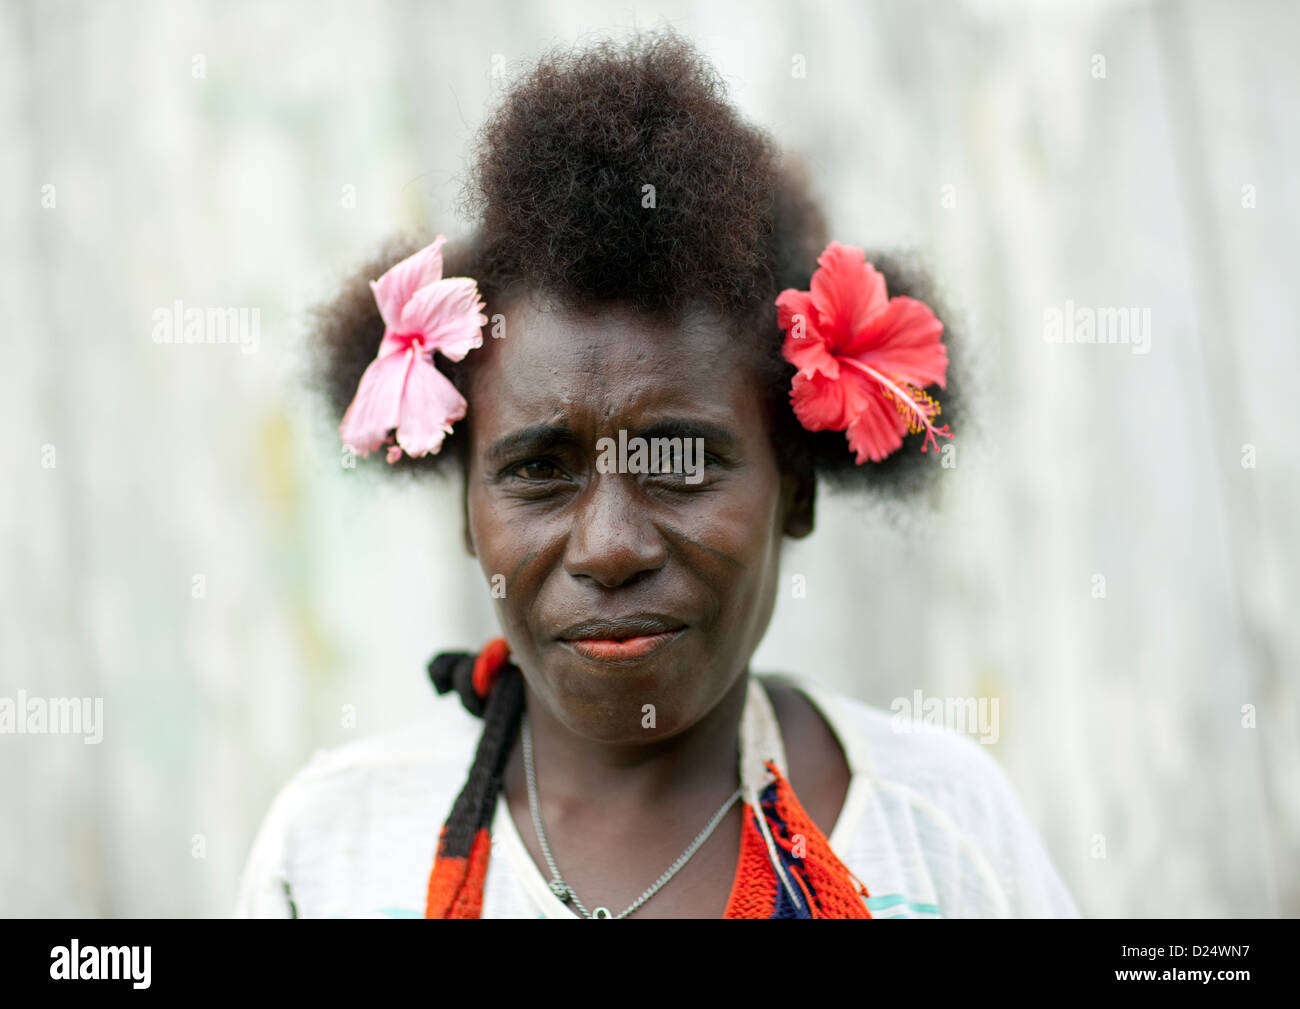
x: 563, y: 541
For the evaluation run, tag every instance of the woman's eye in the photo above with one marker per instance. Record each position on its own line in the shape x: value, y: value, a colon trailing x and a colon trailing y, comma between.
x: 535, y: 469
x: 678, y: 473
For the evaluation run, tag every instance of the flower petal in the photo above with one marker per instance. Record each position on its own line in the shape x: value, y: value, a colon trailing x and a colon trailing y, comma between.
x: 791, y: 303
x: 826, y: 404
x: 807, y: 352
x: 375, y: 409
x: 448, y: 315
x: 394, y: 289
x: 903, y: 341
x: 847, y: 292
x: 877, y: 430
x: 429, y: 404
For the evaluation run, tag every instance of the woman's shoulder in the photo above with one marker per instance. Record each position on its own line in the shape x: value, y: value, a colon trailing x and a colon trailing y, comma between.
x: 948, y: 792
x: 437, y: 746
x: 370, y: 796
x: 878, y: 744
x: 938, y: 774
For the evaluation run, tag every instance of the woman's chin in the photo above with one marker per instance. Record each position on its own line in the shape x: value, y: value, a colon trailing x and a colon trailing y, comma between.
x: 633, y: 702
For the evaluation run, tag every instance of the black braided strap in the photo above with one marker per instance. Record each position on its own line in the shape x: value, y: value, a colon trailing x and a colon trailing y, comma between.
x: 450, y: 671
x: 476, y: 803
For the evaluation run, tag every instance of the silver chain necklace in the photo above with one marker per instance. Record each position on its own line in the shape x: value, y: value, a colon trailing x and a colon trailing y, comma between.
x: 560, y: 888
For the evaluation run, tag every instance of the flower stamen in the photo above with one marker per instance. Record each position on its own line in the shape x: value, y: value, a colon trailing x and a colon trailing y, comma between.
x: 916, y: 405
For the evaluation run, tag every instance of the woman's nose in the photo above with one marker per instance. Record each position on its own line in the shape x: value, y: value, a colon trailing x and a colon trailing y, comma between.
x: 613, y: 539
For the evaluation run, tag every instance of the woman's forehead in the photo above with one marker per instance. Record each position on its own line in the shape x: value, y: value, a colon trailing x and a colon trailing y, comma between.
x: 557, y: 365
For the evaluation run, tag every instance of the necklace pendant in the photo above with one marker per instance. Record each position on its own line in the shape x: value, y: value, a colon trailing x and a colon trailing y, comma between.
x: 561, y: 890
x: 601, y: 912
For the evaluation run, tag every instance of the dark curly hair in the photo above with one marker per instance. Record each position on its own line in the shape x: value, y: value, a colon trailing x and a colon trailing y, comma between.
x: 557, y: 193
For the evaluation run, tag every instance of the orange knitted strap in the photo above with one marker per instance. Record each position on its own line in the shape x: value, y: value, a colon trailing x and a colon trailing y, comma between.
x: 456, y: 883
x: 833, y: 890
x: 444, y: 880
x: 753, y: 891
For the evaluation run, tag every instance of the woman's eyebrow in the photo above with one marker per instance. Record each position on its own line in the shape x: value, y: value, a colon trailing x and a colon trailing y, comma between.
x: 538, y: 438
x: 715, y: 435
x: 545, y: 437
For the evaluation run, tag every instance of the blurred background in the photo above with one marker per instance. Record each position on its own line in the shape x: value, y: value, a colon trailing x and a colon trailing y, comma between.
x: 1114, y: 548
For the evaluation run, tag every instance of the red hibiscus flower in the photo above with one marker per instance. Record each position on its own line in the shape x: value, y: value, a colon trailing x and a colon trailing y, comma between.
x: 864, y: 358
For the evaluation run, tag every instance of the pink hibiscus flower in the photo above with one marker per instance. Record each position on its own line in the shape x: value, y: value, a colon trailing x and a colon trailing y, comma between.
x: 401, y: 390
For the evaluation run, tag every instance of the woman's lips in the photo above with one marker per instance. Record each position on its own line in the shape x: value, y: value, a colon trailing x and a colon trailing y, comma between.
x: 607, y: 650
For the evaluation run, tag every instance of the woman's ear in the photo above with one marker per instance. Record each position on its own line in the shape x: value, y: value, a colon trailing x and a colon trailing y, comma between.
x: 800, y: 504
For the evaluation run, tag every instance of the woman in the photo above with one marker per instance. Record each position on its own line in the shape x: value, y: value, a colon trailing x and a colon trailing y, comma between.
x: 645, y: 268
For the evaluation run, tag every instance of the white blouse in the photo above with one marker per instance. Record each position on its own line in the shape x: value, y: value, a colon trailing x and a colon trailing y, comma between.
x: 930, y: 825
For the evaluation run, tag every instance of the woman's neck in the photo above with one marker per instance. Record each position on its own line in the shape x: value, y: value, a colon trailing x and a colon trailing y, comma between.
x: 578, y: 771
